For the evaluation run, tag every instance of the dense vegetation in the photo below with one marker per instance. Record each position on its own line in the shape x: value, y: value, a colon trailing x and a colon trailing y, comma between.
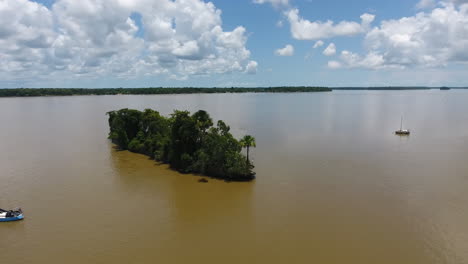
x: 24, y: 92
x: 115, y: 91
x: 383, y: 88
x: 187, y: 142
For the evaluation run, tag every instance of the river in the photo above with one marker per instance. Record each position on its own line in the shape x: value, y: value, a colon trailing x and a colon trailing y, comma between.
x: 334, y: 184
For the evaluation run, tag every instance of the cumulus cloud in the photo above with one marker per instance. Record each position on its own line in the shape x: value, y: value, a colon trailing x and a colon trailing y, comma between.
x: 288, y: 50
x: 99, y: 38
x: 275, y: 3
x: 370, y: 61
x: 422, y: 4
x: 432, y: 39
x: 318, y: 44
x: 426, y: 4
x: 334, y: 64
x: 330, y: 50
x: 251, y: 67
x: 25, y: 31
x: 303, y: 29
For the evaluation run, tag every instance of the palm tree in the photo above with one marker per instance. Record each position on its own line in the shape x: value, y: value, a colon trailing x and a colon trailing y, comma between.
x: 246, y: 142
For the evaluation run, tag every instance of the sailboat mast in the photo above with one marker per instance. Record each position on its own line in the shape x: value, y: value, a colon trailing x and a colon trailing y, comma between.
x: 401, y: 124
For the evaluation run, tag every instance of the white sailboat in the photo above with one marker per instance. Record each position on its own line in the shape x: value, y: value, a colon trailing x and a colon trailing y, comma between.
x: 402, y: 132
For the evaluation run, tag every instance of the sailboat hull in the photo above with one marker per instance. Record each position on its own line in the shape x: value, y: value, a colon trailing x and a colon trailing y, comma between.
x: 403, y: 132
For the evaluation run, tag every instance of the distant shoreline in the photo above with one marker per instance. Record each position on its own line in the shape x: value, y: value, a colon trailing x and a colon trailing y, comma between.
x: 31, y: 92
x: 35, y: 92
x: 396, y: 88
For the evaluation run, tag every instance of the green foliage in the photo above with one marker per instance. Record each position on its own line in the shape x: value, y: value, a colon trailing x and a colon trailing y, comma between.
x: 22, y: 92
x: 246, y: 142
x: 188, y: 143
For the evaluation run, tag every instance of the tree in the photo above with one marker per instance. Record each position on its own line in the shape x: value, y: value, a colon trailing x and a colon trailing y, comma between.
x: 203, y: 120
x: 246, y: 142
x: 184, y: 139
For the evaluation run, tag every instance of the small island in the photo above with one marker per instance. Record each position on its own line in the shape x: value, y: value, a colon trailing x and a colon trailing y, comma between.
x: 189, y: 143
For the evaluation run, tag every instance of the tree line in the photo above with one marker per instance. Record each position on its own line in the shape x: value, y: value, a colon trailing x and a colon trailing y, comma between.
x: 24, y: 92
x: 189, y: 143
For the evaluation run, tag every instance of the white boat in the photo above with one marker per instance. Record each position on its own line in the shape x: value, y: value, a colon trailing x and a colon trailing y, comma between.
x: 401, y: 131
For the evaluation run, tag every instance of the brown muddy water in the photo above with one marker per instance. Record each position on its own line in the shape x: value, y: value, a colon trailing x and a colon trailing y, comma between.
x: 334, y: 184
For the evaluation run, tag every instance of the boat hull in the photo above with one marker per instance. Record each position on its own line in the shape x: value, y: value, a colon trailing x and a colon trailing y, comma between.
x: 11, y: 219
x: 403, y: 132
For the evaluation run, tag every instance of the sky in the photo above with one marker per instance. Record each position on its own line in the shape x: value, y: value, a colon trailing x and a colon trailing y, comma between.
x: 227, y: 43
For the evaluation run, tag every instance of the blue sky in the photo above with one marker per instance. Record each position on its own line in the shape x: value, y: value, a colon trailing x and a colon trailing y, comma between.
x: 142, y: 43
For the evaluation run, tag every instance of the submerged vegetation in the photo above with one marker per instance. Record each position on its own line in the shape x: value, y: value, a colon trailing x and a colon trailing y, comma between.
x: 189, y: 143
x: 22, y: 92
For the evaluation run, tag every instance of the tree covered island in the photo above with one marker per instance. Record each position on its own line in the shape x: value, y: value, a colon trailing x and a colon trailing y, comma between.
x: 189, y: 143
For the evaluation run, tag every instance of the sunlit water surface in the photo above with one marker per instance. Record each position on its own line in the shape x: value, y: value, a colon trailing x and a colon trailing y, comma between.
x: 334, y: 184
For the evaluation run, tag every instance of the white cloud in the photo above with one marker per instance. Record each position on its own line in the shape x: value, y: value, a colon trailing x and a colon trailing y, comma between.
x: 427, y: 4
x: 288, y: 50
x: 423, y: 4
x: 432, y: 39
x: 330, y: 50
x: 275, y: 3
x: 279, y: 23
x: 318, y: 44
x: 99, y: 38
x: 334, y: 64
x: 370, y: 61
x: 251, y: 67
x: 25, y: 31
x: 304, y: 29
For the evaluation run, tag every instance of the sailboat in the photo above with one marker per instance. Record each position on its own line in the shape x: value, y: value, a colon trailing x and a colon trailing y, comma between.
x: 402, y: 132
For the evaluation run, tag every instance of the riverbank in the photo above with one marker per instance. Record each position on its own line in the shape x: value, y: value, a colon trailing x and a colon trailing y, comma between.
x: 34, y: 92
x: 29, y: 92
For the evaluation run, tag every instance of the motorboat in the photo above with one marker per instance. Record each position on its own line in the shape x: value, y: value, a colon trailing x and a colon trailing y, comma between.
x: 11, y: 215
